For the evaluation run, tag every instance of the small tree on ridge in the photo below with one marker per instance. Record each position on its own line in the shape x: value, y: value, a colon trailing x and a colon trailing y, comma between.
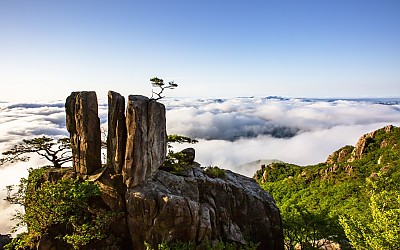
x: 57, y: 152
x: 159, y: 83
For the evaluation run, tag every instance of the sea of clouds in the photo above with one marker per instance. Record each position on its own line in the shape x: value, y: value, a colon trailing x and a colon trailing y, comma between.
x: 231, y: 132
x: 301, y: 131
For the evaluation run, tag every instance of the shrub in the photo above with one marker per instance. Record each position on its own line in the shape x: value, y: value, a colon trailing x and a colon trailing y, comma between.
x: 215, y: 172
x: 66, y: 205
x: 220, y: 245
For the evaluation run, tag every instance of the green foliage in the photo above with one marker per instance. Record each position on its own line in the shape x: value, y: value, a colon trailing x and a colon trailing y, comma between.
x: 159, y: 83
x: 17, y: 242
x: 277, y: 171
x: 308, y: 229
x: 220, y: 245
x: 310, y: 205
x: 380, y: 230
x: 215, y: 172
x: 177, y: 246
x: 321, y: 194
x: 176, y: 162
x: 57, y: 152
x: 180, y: 139
x: 65, y: 207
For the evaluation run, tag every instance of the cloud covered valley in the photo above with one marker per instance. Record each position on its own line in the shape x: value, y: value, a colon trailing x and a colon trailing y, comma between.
x: 231, y: 132
x: 301, y: 131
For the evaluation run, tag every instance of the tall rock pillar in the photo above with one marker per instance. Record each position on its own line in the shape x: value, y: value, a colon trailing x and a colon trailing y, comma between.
x: 83, y: 124
x: 146, y: 144
x: 157, y: 136
x: 116, y: 139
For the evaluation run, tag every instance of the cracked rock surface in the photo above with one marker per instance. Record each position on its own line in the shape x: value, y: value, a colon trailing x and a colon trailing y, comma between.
x: 202, y: 209
x: 155, y: 205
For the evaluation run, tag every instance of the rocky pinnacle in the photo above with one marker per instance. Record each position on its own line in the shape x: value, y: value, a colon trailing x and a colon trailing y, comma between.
x: 83, y: 124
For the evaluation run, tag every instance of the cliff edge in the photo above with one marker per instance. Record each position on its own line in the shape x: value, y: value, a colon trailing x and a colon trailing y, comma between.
x: 154, y: 204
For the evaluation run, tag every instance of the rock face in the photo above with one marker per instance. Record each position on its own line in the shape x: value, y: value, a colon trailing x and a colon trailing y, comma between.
x: 341, y: 155
x: 365, y: 140
x: 157, y: 136
x: 202, y: 209
x: 361, y: 146
x: 146, y: 144
x: 116, y: 139
x: 83, y: 124
x: 159, y: 206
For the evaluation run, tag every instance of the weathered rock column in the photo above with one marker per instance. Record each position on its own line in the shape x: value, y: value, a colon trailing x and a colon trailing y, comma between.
x: 116, y: 139
x: 157, y: 136
x: 146, y: 144
x: 83, y: 124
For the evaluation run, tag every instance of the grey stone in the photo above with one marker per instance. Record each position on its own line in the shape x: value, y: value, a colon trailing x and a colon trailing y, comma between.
x: 136, y: 156
x: 201, y: 209
x: 190, y: 154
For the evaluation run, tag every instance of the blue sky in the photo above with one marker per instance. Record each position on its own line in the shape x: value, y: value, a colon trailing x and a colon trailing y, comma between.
x: 309, y: 48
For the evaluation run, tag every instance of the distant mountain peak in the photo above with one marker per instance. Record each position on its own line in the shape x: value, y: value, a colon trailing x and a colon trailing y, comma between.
x: 372, y: 151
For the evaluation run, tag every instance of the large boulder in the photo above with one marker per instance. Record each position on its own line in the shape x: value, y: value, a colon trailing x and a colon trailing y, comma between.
x: 83, y: 124
x: 202, y: 209
x: 188, y: 155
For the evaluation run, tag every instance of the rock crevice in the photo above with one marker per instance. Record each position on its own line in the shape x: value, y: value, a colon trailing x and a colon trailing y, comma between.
x: 160, y: 206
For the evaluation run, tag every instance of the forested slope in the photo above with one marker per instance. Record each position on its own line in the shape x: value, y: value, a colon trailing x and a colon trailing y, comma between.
x: 353, y: 195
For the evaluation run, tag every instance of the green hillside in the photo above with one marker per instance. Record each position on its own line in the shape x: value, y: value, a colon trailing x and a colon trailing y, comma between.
x: 353, y: 196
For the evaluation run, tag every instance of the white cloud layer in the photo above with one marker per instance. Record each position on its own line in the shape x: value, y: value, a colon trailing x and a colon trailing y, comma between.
x: 232, y: 119
x: 231, y: 132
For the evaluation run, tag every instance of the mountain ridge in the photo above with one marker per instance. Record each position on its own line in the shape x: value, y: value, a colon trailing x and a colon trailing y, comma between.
x: 339, y: 188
